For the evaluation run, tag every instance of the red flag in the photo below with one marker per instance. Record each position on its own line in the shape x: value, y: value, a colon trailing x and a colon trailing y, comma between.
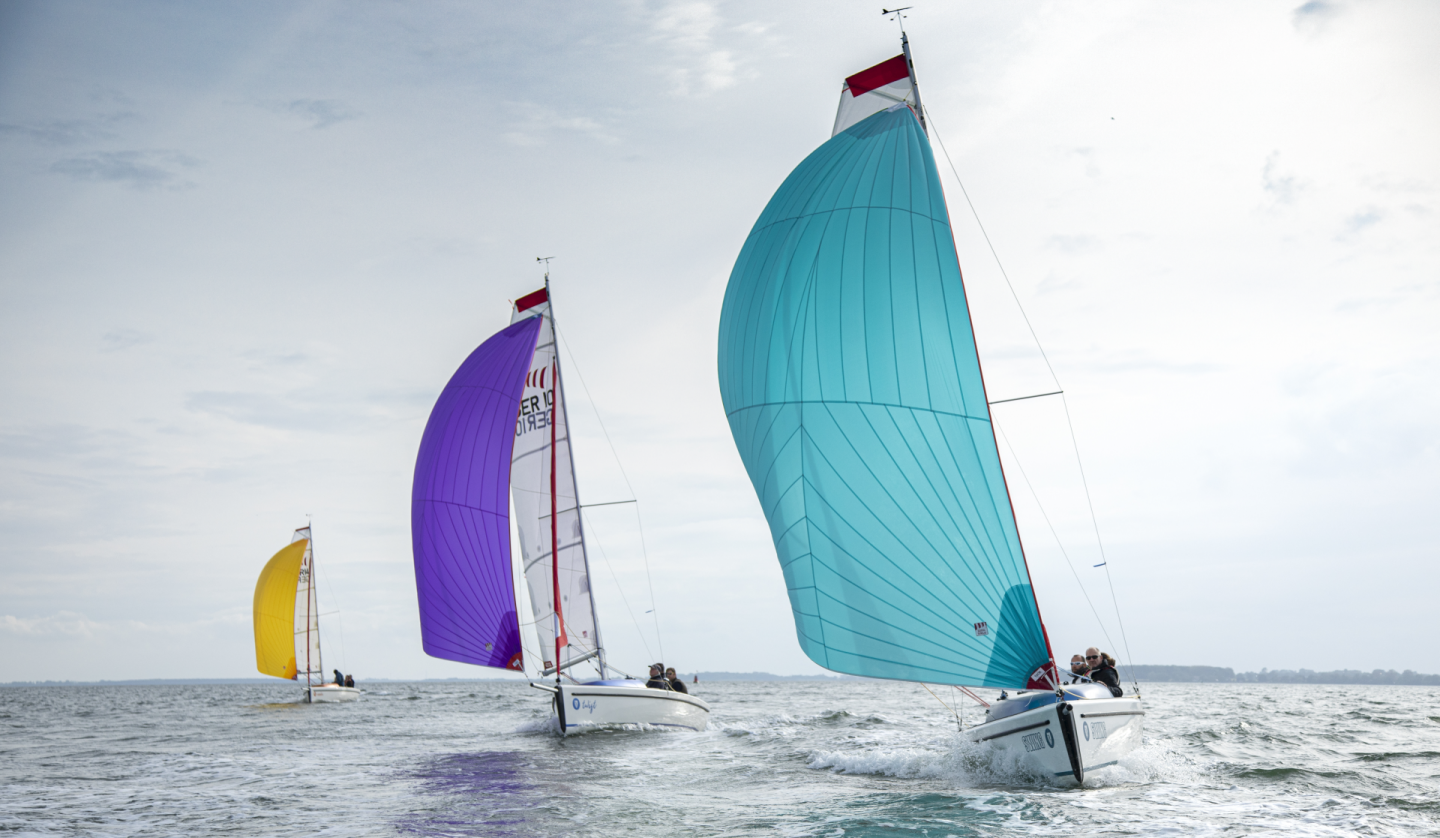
x: 886, y: 72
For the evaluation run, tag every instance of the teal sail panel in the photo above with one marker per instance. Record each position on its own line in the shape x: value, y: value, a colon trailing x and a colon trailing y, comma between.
x: 851, y: 382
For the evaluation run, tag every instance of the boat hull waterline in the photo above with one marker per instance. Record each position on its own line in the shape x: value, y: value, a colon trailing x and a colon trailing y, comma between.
x: 330, y: 694
x: 1065, y: 740
x: 580, y: 706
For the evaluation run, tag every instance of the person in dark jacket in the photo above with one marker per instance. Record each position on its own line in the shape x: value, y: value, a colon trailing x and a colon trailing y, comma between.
x: 1102, y: 670
x: 657, y: 677
x: 339, y: 679
x: 349, y: 680
x: 1078, y: 669
x: 675, y: 683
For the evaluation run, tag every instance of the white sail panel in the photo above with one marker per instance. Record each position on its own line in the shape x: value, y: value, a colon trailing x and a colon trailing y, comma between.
x: 541, y: 405
x: 876, y: 89
x: 307, y: 617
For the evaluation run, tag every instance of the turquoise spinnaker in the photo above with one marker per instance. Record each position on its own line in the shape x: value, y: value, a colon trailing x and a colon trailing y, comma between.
x: 851, y: 382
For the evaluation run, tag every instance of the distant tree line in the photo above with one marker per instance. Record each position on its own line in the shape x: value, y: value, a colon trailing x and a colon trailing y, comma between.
x: 1224, y: 674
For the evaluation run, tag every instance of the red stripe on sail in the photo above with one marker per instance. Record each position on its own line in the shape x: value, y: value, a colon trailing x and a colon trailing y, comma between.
x: 538, y: 297
x: 886, y: 72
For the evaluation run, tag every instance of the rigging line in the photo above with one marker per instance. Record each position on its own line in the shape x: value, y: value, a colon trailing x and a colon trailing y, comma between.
x: 991, y: 245
x: 1115, y: 603
x: 339, y: 618
x: 943, y: 704
x: 621, y: 589
x: 1020, y: 468
x: 1074, y: 442
x: 644, y: 551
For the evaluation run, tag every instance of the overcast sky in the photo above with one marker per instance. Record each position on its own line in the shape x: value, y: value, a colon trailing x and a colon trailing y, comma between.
x: 243, y: 246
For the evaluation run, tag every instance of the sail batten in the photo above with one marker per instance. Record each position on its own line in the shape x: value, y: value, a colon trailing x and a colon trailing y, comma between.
x: 852, y: 386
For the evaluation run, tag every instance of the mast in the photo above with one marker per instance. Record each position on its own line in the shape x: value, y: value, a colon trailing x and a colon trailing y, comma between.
x: 555, y: 526
x: 914, y: 82
x: 564, y: 408
x: 309, y: 598
x: 909, y: 63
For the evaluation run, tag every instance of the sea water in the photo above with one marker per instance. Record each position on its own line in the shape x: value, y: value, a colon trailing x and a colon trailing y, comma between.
x: 846, y: 758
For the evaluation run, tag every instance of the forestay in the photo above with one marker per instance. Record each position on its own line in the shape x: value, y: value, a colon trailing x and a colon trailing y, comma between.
x: 460, y: 511
x: 541, y: 404
x: 850, y: 378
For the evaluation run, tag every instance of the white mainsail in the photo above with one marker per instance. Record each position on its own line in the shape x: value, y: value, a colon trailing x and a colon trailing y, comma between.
x: 307, y: 617
x: 543, y: 403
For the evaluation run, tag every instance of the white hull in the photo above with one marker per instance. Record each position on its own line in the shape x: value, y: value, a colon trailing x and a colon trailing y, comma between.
x: 1067, y: 739
x: 330, y: 693
x: 591, y: 705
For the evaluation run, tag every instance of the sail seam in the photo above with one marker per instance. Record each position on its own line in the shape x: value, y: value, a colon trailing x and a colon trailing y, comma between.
x: 888, y: 530
x: 857, y: 402
x: 960, y: 652
x: 975, y: 549
x: 832, y: 210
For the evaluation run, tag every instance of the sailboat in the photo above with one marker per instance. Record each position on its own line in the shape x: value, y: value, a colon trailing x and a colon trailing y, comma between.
x: 499, y: 434
x: 852, y: 384
x: 287, y: 621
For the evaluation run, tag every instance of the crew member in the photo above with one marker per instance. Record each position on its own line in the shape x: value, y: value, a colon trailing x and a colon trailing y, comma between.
x: 1102, y: 670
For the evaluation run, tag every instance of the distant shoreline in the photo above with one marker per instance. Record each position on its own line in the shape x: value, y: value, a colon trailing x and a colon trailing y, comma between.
x: 1141, y: 672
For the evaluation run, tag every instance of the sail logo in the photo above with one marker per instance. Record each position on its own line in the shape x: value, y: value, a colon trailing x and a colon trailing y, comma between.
x: 587, y: 706
x: 981, y: 629
x: 535, y: 414
x: 1049, y: 738
x: 1095, y: 729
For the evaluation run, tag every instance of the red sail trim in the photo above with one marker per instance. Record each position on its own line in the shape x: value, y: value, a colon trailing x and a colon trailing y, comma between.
x: 534, y: 299
x: 886, y: 72
x: 1045, y: 677
x: 561, y: 641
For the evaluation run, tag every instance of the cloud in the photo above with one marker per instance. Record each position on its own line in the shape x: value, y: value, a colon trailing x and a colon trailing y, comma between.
x: 1283, y: 188
x: 322, y: 113
x: 135, y: 169
x: 124, y: 339
x: 1363, y: 220
x: 308, y: 410
x: 699, y: 67
x: 1135, y: 361
x: 67, y: 132
x: 534, y: 123
x: 61, y: 624
x: 1314, y: 16
x: 71, y: 625
x: 1072, y: 244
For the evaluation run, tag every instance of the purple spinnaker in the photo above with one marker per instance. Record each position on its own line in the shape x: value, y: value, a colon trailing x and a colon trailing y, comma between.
x: 460, y: 506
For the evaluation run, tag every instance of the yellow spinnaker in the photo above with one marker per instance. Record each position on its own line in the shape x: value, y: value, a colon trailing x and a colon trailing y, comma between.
x: 275, y: 611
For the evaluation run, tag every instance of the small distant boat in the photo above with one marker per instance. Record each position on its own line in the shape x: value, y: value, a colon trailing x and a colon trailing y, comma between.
x: 499, y: 431
x: 287, y: 622
x: 852, y: 384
